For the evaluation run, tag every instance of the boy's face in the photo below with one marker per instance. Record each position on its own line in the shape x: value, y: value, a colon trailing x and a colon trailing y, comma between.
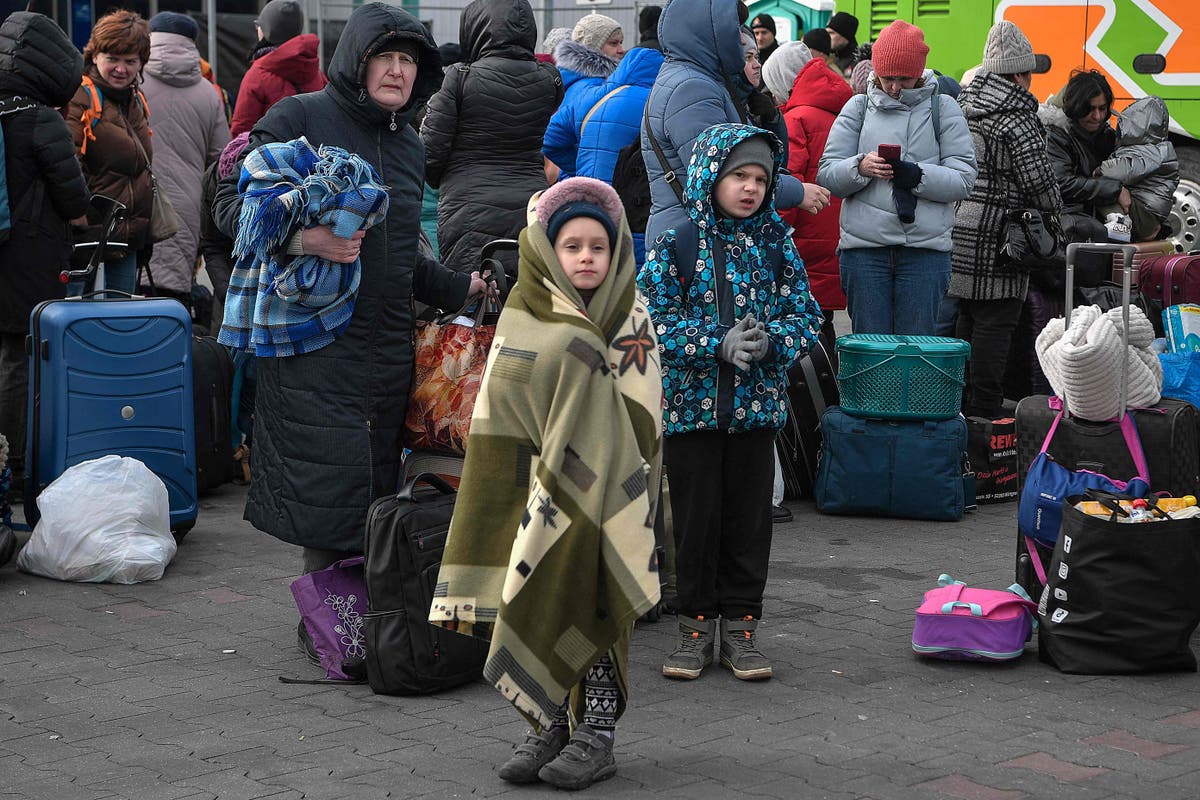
x: 740, y: 193
x: 583, y: 252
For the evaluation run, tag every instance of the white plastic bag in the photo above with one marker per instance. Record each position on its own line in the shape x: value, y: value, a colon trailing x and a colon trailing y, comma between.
x: 105, y: 520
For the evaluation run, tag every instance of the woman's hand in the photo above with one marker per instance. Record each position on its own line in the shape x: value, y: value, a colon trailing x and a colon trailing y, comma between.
x: 873, y: 166
x: 479, y: 286
x: 322, y: 242
x: 1124, y: 199
x: 815, y: 198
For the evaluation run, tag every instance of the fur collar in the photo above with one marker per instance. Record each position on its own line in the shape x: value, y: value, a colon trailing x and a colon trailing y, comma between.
x: 585, y: 61
x: 1053, y: 117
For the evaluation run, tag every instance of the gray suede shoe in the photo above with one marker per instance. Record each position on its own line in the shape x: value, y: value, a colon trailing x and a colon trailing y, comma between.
x: 587, y: 759
x: 739, y: 651
x: 694, y: 651
x: 538, y: 750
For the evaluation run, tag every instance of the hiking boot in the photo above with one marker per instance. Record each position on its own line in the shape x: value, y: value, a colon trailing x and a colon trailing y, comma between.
x: 739, y: 652
x: 538, y: 750
x: 587, y: 759
x: 695, y: 649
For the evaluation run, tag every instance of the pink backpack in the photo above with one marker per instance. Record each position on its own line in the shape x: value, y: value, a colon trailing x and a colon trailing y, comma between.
x: 958, y: 623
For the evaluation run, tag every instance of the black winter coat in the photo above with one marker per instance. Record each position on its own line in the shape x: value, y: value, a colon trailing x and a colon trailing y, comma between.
x: 483, y: 130
x: 328, y: 424
x: 46, y: 188
x: 1074, y: 157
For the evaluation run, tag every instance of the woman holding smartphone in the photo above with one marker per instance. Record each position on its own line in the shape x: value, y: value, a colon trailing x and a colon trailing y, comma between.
x: 900, y: 157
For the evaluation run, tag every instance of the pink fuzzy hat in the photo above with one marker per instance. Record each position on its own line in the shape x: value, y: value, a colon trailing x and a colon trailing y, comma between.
x: 577, y: 197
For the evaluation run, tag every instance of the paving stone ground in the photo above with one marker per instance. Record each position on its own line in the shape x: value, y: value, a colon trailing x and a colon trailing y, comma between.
x: 131, y: 692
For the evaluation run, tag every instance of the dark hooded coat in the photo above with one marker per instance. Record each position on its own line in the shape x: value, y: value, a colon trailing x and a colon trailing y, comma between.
x: 46, y: 188
x: 328, y: 424
x: 483, y: 130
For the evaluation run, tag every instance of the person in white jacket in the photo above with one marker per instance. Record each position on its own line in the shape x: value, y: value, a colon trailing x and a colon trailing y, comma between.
x: 188, y: 119
x: 898, y: 208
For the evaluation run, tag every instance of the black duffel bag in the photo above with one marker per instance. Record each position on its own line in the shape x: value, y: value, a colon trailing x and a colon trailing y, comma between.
x: 1121, y: 597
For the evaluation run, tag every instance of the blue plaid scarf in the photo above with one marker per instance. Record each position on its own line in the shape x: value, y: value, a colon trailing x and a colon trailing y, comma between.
x: 281, y: 306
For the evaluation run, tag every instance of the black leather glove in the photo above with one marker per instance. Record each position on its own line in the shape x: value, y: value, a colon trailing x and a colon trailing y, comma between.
x: 762, y: 105
x: 906, y: 174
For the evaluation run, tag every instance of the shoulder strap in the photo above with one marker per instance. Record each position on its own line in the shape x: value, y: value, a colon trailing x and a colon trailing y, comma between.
x: 599, y: 103
x: 668, y: 174
x: 687, y: 250
x: 464, y: 69
x: 91, y: 114
x: 935, y: 115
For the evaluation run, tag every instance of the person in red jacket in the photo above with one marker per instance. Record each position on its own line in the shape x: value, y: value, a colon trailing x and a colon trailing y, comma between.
x: 283, y: 63
x: 814, y: 98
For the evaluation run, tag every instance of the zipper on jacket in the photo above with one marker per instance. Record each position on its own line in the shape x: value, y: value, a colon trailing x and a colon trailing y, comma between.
x: 726, y: 372
x: 392, y: 122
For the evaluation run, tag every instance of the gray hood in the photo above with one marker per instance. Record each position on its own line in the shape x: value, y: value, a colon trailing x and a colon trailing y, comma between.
x: 1145, y: 121
x: 174, y: 59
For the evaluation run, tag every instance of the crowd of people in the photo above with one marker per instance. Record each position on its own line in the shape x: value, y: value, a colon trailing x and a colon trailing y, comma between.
x: 693, y: 200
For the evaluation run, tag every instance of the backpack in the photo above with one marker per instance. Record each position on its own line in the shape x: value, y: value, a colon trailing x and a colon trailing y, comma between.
x: 629, y: 179
x: 9, y: 105
x: 91, y: 115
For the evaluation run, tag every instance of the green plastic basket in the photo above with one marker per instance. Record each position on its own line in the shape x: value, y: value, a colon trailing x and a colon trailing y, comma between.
x: 901, y: 377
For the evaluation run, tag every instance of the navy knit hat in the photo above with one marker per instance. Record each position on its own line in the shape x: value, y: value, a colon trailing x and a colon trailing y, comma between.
x: 173, y: 22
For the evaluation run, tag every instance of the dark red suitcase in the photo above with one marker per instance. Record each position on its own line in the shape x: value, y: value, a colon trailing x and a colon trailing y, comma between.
x: 1171, y: 279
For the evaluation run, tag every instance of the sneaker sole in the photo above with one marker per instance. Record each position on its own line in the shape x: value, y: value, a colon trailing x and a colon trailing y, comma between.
x: 604, y: 774
x: 760, y: 674
x: 682, y: 672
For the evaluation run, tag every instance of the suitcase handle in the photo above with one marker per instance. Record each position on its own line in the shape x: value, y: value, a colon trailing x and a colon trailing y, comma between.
x: 1128, y: 251
x: 429, y: 478
x: 92, y: 295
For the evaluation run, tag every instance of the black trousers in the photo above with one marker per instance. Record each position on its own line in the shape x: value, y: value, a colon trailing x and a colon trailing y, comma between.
x: 721, y: 507
x: 988, y: 325
x: 14, y: 398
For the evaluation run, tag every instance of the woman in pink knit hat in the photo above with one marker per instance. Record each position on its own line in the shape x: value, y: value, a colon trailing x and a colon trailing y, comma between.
x: 900, y: 157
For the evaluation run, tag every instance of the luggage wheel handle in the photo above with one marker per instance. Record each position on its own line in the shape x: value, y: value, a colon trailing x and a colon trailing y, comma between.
x: 430, y: 478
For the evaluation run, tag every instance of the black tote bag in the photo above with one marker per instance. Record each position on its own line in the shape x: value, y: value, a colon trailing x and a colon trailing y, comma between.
x: 1121, y: 597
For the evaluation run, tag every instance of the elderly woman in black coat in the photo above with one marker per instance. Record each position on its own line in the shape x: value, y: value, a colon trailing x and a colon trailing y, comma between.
x: 39, y: 71
x: 328, y: 424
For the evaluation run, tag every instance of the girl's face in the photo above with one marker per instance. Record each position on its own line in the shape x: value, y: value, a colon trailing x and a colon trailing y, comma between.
x: 583, y: 252
x: 614, y: 48
x: 390, y: 79
x: 118, y: 70
x: 740, y: 193
x: 895, y: 84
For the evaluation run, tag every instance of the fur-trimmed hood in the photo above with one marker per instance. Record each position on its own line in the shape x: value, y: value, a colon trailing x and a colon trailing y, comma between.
x: 1052, y: 115
x: 584, y: 62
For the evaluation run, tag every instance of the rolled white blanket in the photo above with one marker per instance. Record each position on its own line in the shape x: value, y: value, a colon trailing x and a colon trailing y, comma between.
x: 1141, y: 330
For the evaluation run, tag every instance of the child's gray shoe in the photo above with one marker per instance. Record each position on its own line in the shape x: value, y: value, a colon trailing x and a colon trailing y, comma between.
x: 538, y: 750
x: 587, y: 759
x: 695, y: 649
x: 739, y: 651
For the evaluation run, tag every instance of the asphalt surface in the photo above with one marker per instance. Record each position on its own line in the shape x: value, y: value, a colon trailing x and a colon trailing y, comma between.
x: 170, y: 689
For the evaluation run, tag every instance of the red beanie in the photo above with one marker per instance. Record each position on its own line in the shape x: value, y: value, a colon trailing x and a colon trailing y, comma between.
x: 899, y: 51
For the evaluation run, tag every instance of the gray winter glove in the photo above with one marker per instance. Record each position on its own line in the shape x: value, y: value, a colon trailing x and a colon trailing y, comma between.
x: 761, y: 342
x: 740, y: 343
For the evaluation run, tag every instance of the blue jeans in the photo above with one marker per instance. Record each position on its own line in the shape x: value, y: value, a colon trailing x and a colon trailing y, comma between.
x: 894, y: 289
x: 119, y: 274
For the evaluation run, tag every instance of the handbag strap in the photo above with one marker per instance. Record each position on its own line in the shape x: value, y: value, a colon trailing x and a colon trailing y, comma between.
x: 1132, y: 442
x: 668, y: 174
x: 1038, y: 569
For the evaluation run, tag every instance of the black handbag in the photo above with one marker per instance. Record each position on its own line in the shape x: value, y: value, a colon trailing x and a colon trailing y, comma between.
x: 1030, y: 241
x: 1120, y: 597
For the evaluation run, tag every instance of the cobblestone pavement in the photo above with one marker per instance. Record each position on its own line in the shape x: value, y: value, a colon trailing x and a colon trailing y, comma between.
x: 170, y: 690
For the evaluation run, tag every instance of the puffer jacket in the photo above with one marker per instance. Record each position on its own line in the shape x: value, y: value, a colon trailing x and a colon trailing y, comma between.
x: 1074, y: 156
x: 704, y: 63
x: 328, y: 424
x: 189, y: 133
x: 615, y: 122
x: 868, y: 217
x: 702, y: 391
x: 1145, y: 159
x: 46, y: 188
x: 292, y: 68
x: 483, y: 131
x: 583, y: 72
x: 114, y: 165
x: 1014, y: 173
x: 817, y: 97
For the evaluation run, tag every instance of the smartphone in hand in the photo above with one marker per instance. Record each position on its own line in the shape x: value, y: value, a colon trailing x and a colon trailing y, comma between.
x: 889, y: 152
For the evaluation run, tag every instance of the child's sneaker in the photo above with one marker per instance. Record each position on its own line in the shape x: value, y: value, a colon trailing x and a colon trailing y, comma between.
x: 739, y: 652
x: 587, y: 759
x: 1120, y: 227
x: 695, y: 649
x: 538, y: 750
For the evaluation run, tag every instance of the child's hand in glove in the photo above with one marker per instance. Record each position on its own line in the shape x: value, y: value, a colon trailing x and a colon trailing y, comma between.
x: 740, y: 343
x: 761, y: 341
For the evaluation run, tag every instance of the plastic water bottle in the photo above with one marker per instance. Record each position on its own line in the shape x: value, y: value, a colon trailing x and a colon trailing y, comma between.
x: 1140, y: 512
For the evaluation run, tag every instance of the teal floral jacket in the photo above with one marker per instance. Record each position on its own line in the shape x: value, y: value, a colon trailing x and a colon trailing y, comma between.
x: 693, y: 311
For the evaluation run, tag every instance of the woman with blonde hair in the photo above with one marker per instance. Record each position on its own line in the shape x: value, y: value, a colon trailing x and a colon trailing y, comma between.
x: 109, y: 122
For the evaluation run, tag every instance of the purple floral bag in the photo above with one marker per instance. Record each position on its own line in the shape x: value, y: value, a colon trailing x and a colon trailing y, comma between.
x: 331, y: 603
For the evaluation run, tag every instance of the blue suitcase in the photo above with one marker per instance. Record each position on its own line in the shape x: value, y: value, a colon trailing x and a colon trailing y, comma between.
x: 112, y: 376
x: 894, y: 468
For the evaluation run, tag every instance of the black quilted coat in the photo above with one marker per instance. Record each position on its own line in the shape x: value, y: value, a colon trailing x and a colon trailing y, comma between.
x: 327, y: 424
x: 483, y: 130
x: 46, y: 188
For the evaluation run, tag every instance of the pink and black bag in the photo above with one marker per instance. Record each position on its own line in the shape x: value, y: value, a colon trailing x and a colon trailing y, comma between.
x: 957, y: 623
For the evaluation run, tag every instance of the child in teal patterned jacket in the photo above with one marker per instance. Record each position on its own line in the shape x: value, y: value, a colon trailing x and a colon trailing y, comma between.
x: 731, y: 303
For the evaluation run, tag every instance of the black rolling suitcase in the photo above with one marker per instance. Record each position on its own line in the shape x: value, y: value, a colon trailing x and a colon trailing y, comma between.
x: 812, y: 388
x: 212, y: 392
x: 405, y: 537
x: 1169, y: 433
